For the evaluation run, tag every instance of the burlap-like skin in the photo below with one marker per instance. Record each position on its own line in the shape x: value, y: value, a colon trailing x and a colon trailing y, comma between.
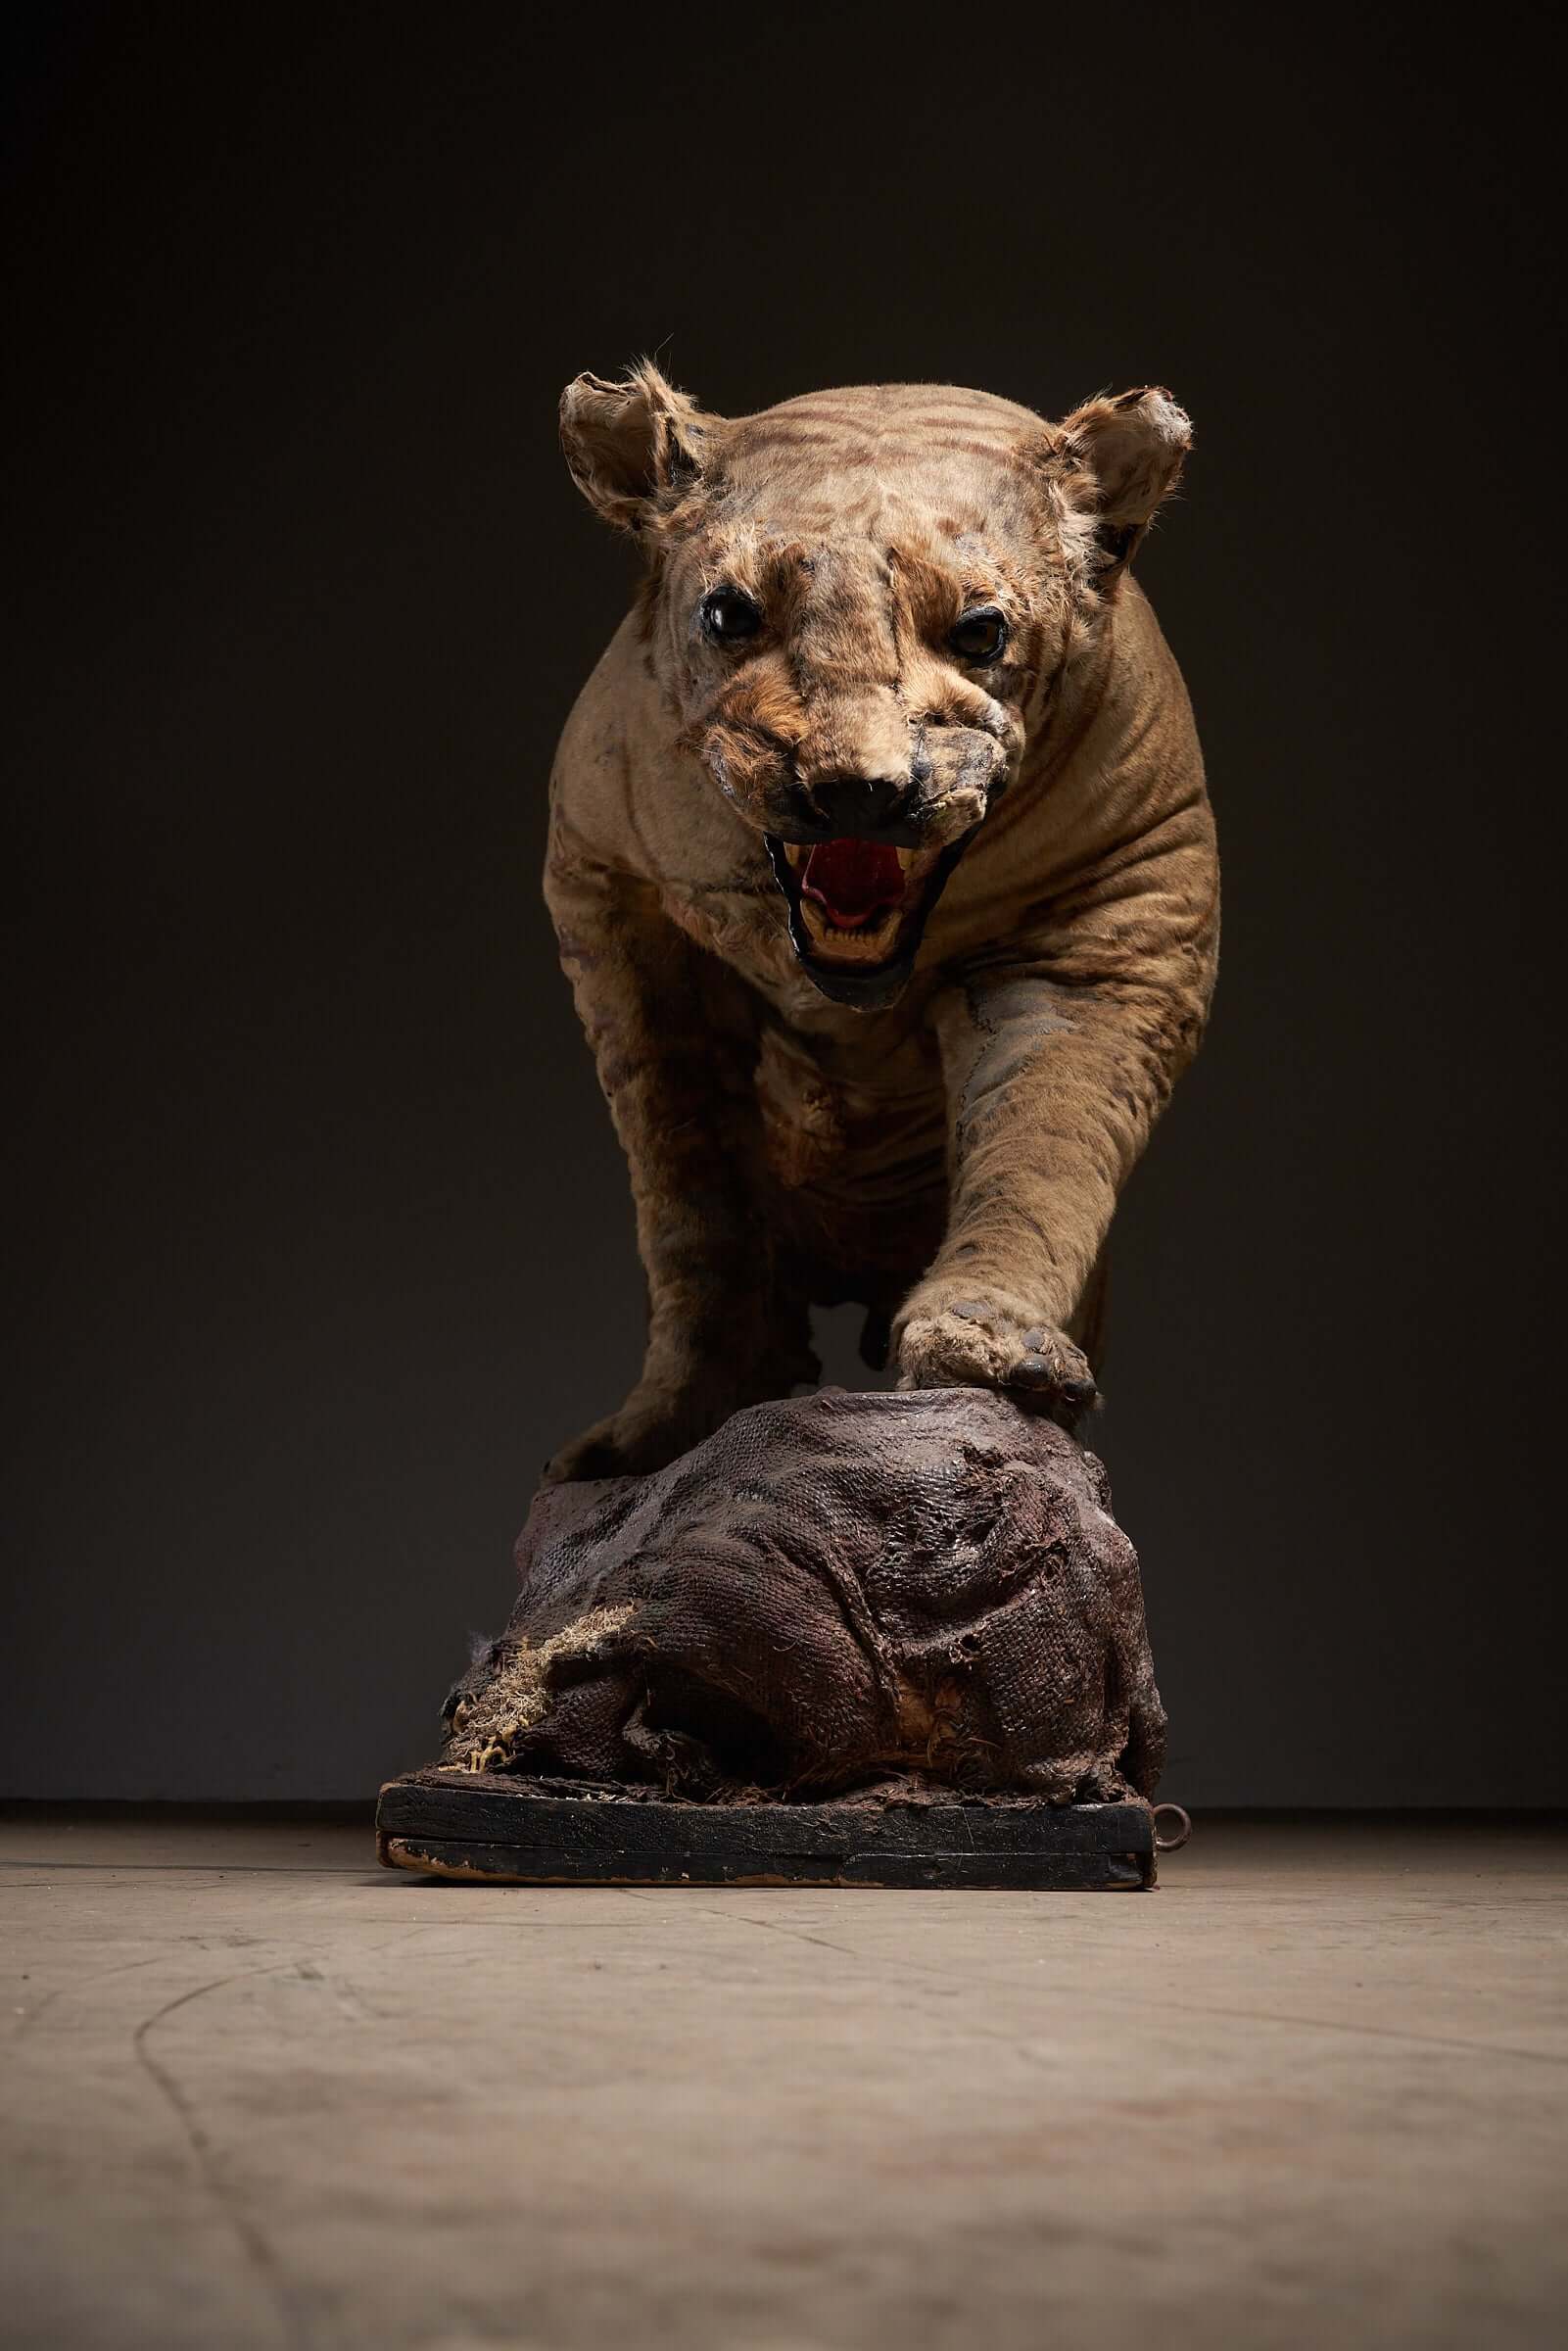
x: 827, y: 1593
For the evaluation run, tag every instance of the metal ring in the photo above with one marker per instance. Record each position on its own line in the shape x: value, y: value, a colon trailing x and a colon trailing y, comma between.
x: 1172, y: 1844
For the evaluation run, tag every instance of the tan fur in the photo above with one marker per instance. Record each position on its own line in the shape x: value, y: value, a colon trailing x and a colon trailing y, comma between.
x: 952, y: 1157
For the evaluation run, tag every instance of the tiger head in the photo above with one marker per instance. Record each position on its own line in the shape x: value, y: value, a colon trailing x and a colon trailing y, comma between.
x: 859, y: 607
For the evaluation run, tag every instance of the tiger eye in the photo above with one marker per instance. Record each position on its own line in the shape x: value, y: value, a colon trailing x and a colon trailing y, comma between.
x: 728, y: 616
x: 981, y: 636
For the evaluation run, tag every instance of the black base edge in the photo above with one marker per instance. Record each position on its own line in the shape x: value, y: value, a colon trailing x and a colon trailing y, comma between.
x: 485, y: 1828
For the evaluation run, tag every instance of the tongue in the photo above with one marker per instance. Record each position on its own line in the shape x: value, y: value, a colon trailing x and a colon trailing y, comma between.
x: 852, y: 881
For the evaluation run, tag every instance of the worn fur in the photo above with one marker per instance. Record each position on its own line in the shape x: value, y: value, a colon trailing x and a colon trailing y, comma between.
x: 950, y: 1153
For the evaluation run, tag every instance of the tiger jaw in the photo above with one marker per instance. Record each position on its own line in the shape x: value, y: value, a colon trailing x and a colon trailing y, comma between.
x: 857, y: 909
x: 870, y: 944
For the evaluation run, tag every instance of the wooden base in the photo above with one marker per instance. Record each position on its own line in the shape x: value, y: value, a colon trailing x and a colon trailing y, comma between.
x: 502, y: 1831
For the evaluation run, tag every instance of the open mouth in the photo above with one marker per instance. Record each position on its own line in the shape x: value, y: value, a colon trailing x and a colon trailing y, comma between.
x: 857, y: 909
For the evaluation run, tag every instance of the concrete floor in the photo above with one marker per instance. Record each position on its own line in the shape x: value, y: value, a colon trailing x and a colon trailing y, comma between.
x: 260, y: 2093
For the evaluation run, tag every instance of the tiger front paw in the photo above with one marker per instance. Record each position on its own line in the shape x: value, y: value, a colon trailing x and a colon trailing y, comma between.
x: 964, y: 1338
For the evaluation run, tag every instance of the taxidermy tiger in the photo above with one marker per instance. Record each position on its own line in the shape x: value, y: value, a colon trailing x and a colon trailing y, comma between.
x: 884, y: 875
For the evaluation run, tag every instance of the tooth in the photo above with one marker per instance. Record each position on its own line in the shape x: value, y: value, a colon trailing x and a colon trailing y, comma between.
x: 833, y: 945
x: 906, y: 858
x: 798, y: 853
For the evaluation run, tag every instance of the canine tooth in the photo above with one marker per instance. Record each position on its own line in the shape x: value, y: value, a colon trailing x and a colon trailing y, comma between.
x: 906, y: 858
x: 797, y: 852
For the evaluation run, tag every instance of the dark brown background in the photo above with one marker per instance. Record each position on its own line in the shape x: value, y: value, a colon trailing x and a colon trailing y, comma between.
x: 320, y: 1239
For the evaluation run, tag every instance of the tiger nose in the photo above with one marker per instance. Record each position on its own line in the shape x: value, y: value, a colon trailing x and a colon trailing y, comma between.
x: 861, y: 806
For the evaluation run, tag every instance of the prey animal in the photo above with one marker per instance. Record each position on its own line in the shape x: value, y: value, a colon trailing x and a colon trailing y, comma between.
x: 884, y: 875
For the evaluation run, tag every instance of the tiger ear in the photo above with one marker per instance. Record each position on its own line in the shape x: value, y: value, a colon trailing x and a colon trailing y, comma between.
x: 628, y: 443
x: 1134, y: 448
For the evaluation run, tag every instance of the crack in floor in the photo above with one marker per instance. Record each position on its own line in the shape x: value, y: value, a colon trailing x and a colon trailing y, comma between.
x: 290, y: 2299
